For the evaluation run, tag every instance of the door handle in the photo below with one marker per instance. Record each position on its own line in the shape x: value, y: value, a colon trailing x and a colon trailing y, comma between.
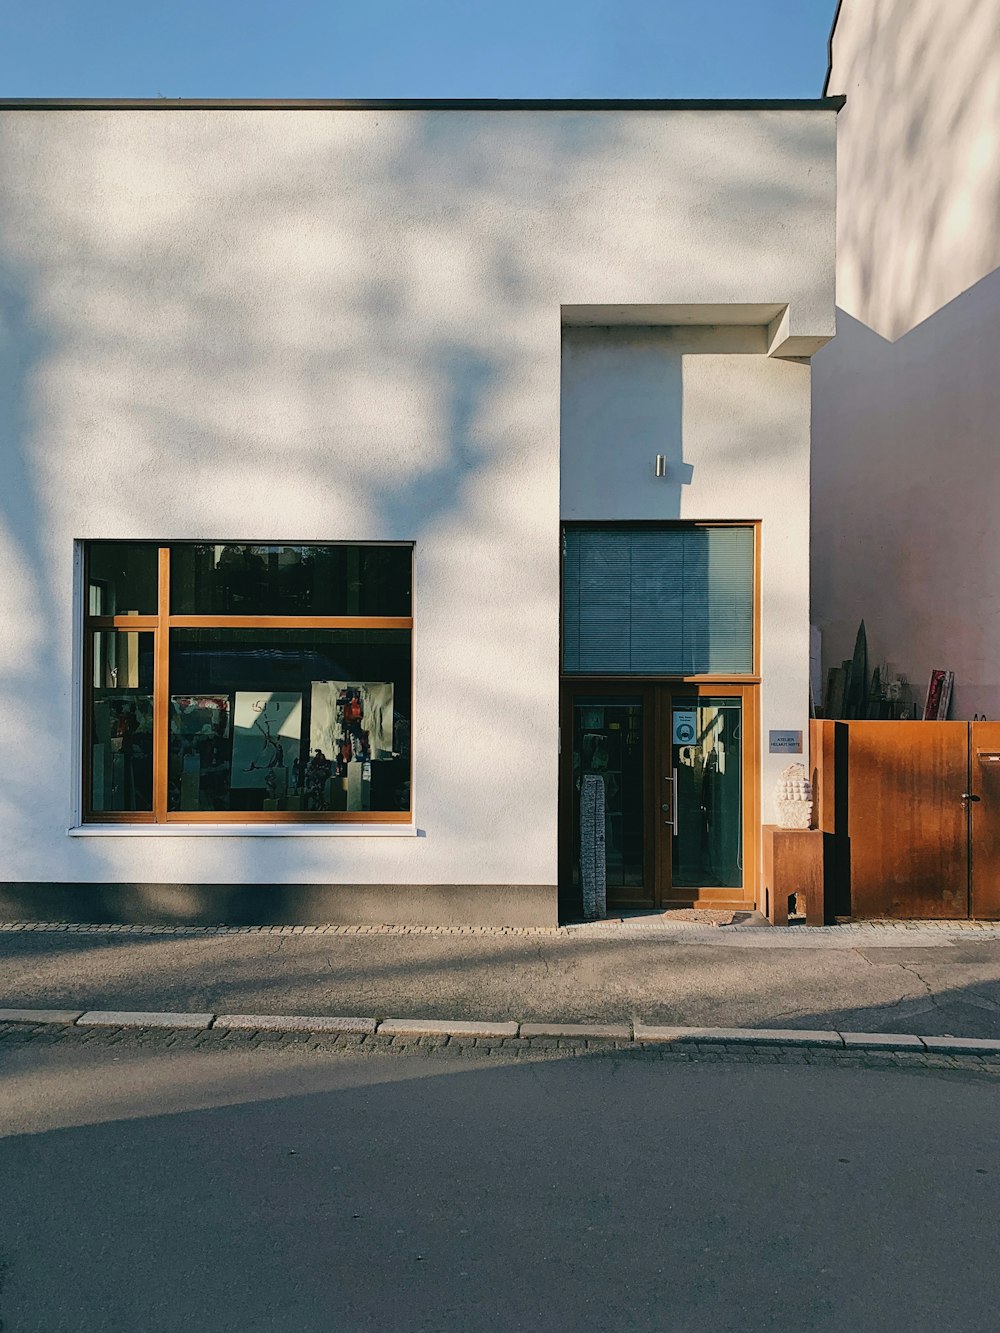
x: 672, y: 807
x: 970, y: 796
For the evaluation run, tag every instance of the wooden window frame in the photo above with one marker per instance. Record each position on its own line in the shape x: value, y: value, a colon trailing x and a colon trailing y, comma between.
x: 159, y: 626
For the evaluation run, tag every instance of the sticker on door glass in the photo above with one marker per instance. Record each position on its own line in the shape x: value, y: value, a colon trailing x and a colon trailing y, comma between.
x: 685, y: 726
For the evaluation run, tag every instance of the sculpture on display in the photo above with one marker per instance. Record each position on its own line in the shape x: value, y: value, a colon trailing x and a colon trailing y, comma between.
x: 593, y: 865
x: 794, y: 798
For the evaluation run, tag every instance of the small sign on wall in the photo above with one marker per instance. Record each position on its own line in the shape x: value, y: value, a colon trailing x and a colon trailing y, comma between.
x: 784, y: 742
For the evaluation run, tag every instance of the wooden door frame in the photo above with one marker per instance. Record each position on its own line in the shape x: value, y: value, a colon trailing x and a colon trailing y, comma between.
x: 657, y: 695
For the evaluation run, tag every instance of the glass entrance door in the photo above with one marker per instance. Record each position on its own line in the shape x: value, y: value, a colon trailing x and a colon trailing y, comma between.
x: 658, y: 796
x: 705, y: 833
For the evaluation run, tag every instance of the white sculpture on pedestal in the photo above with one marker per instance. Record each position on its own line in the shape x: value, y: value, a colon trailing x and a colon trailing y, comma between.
x: 794, y: 798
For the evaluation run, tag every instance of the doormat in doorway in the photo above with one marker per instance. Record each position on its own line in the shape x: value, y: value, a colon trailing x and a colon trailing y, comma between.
x: 691, y: 916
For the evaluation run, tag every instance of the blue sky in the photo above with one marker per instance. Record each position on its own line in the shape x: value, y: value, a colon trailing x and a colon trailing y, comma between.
x: 413, y: 48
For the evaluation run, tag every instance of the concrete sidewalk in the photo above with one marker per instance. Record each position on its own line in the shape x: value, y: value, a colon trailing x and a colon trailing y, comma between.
x: 926, y: 980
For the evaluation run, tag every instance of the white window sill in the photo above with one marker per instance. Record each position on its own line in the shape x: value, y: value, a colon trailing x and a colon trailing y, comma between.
x: 245, y: 831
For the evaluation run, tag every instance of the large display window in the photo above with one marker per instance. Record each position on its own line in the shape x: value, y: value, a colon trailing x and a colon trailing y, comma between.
x: 247, y: 683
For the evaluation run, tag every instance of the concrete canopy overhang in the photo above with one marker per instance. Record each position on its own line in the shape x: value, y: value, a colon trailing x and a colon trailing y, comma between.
x: 783, y: 340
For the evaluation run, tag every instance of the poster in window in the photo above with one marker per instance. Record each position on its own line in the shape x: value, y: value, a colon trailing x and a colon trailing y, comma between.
x: 267, y: 735
x: 350, y: 727
x: 199, y: 715
x: 351, y: 721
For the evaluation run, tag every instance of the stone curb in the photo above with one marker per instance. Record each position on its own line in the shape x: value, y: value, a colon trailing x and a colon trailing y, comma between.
x: 756, y: 1036
x: 636, y: 1031
x: 128, y: 1018
x: 579, y: 1031
x: 882, y: 1041
x: 364, y: 1027
x: 430, y: 1027
x: 61, y: 1016
x: 961, y: 1045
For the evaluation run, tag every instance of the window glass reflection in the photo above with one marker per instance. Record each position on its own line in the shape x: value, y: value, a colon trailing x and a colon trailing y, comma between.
x: 226, y: 579
x: 707, y: 751
x: 608, y: 825
x: 289, y: 720
x: 121, y: 578
x: 121, y: 722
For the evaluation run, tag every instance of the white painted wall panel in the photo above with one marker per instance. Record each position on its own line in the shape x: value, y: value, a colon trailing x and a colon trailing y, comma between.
x: 318, y: 325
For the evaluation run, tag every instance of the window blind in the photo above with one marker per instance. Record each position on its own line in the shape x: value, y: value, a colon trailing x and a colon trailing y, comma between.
x: 658, y: 601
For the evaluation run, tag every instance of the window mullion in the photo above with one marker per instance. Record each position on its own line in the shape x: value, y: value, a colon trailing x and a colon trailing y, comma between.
x: 88, y: 691
x: 161, y: 688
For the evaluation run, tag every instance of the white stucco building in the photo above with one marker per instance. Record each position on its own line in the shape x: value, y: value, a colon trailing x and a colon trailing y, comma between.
x: 339, y: 577
x: 906, y: 399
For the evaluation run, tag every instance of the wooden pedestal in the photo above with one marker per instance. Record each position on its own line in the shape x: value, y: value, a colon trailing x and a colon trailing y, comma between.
x: 793, y: 863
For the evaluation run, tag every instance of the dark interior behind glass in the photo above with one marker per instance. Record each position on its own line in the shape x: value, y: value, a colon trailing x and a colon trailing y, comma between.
x: 289, y: 719
x: 282, y: 580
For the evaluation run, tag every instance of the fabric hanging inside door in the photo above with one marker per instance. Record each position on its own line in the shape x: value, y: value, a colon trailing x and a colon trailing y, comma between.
x: 593, y: 845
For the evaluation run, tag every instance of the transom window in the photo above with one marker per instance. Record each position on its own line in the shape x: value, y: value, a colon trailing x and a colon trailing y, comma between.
x: 243, y: 683
x: 658, y: 600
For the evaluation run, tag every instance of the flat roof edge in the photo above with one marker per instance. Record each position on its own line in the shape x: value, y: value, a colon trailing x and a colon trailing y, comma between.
x: 414, y: 104
x: 829, y: 48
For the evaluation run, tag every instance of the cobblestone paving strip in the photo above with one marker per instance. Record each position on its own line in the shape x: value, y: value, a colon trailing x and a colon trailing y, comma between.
x: 848, y: 934
x: 85, y: 928
x: 495, y: 1049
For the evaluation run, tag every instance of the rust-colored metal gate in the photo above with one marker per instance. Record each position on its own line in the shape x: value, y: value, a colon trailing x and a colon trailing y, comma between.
x: 913, y: 812
x: 984, y: 833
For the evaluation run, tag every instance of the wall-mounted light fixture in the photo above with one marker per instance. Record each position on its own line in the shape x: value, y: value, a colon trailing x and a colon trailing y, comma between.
x: 661, y: 465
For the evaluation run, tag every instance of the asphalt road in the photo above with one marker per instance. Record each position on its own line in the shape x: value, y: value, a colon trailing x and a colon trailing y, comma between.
x: 883, y: 983
x: 272, y: 1190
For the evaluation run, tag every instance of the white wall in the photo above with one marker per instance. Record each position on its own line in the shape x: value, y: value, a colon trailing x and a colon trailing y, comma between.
x: 315, y: 325
x: 734, y: 426
x: 907, y: 397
